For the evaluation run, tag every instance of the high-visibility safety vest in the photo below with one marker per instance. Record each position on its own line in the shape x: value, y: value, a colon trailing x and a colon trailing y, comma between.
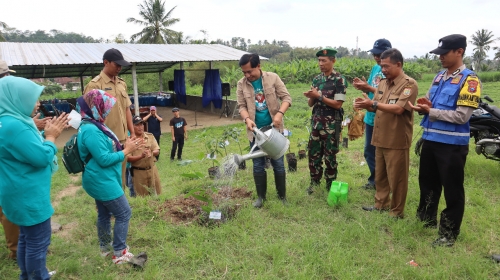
x: 444, y: 96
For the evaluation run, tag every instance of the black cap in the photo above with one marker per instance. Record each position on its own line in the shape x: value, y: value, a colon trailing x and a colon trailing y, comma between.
x: 175, y: 109
x: 380, y: 46
x: 116, y: 56
x: 450, y: 42
x: 137, y: 120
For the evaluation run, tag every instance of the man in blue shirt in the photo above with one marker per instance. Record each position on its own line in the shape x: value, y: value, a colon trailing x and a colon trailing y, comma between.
x: 370, y: 87
x: 154, y: 126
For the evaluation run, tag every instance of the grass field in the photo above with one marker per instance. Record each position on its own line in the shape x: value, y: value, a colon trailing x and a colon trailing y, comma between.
x: 306, y: 240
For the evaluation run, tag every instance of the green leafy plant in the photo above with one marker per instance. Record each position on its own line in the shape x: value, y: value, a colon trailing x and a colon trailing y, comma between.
x: 203, y: 195
x: 212, y: 147
x: 301, y: 143
x: 193, y: 175
x: 234, y: 134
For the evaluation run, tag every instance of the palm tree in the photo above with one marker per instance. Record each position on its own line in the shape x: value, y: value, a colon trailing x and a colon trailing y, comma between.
x: 482, y: 40
x: 3, y: 25
x: 156, y: 24
x: 497, y: 54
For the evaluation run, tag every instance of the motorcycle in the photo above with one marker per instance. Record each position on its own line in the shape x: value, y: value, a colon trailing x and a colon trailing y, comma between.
x: 485, y: 128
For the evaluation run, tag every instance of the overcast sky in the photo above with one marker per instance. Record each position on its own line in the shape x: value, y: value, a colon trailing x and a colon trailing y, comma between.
x: 414, y: 27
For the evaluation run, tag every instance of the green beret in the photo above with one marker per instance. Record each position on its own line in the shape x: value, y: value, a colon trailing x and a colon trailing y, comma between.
x: 326, y: 52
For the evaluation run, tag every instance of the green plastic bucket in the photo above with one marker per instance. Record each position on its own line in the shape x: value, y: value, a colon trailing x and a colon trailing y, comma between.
x: 338, y: 193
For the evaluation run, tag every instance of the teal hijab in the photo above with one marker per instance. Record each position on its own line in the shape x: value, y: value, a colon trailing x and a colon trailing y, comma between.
x: 18, y: 97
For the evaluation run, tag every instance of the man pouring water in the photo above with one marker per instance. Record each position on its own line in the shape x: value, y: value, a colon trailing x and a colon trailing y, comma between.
x: 258, y: 94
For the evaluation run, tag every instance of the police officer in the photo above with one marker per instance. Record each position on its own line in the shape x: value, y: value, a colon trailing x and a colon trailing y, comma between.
x: 120, y: 117
x: 447, y: 107
x: 144, y: 172
x: 326, y: 96
x: 392, y: 133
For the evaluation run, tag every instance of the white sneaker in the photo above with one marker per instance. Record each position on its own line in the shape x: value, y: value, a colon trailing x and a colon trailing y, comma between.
x: 126, y: 256
x: 106, y: 251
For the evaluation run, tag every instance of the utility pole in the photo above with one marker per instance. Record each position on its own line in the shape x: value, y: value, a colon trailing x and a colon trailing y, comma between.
x: 357, y: 52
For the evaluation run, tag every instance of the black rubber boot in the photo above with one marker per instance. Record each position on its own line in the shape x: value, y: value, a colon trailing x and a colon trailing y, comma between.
x: 261, y: 187
x: 328, y: 184
x: 314, y: 183
x: 280, y: 181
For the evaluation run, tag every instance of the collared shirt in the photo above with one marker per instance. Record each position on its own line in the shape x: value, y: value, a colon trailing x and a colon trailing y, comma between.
x: 461, y: 115
x: 393, y: 131
x: 149, y: 144
x: 274, y: 89
x: 117, y: 118
x: 376, y: 76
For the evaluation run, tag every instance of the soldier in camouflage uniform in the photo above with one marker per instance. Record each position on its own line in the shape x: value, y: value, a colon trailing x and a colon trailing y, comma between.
x: 326, y: 96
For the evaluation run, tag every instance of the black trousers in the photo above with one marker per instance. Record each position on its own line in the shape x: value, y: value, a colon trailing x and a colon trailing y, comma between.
x: 157, y: 137
x: 178, y: 144
x: 442, y: 167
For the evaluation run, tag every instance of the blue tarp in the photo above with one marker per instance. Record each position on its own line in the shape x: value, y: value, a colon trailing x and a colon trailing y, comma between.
x: 150, y: 100
x: 212, y: 89
x: 63, y: 107
x: 180, y: 86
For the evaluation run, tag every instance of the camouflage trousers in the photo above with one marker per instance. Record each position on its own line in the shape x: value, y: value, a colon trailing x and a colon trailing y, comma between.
x: 322, y: 145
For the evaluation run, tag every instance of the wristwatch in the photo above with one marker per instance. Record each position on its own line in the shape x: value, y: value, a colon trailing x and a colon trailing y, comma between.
x: 320, y: 98
x: 374, y: 105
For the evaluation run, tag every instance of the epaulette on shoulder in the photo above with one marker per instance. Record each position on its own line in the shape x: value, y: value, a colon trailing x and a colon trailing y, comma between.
x: 148, y: 133
x: 96, y: 78
x: 120, y: 79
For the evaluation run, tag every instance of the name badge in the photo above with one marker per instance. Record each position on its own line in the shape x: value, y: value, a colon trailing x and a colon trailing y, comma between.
x: 392, y: 101
x: 108, y: 88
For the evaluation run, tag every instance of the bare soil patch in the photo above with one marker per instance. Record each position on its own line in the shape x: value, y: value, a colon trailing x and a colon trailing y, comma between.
x: 70, y: 190
x: 181, y: 210
x: 66, y: 231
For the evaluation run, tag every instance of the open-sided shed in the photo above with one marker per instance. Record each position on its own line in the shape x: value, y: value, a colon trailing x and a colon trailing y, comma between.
x: 50, y: 60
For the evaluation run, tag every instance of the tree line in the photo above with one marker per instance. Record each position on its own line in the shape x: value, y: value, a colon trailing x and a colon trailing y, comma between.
x: 157, y: 25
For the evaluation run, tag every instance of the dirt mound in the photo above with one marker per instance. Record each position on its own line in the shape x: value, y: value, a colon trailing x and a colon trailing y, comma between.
x: 181, y: 210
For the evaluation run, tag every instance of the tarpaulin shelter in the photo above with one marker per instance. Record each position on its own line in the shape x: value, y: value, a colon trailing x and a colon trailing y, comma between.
x: 51, y: 60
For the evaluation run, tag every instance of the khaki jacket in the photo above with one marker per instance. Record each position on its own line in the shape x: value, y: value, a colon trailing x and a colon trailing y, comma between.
x: 117, y: 118
x: 274, y: 89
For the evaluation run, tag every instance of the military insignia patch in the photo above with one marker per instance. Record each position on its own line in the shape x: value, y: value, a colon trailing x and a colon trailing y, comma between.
x: 325, y: 52
x: 407, y: 91
x: 456, y: 80
x: 472, y: 86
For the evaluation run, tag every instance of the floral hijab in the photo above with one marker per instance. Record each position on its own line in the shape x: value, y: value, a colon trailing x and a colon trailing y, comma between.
x: 94, y: 107
x: 100, y: 104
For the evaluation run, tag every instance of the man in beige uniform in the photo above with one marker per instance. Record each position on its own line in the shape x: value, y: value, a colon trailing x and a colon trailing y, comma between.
x: 120, y: 117
x: 143, y: 169
x: 392, y: 133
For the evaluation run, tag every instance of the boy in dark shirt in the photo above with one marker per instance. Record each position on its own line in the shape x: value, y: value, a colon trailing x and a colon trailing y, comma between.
x: 178, y: 127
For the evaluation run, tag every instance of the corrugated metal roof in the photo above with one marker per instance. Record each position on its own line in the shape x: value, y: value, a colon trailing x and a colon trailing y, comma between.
x: 48, y: 60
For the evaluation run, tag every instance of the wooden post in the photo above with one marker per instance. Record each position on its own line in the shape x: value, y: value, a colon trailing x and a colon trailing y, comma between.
x: 81, y: 83
x: 161, y: 81
x: 136, y: 94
